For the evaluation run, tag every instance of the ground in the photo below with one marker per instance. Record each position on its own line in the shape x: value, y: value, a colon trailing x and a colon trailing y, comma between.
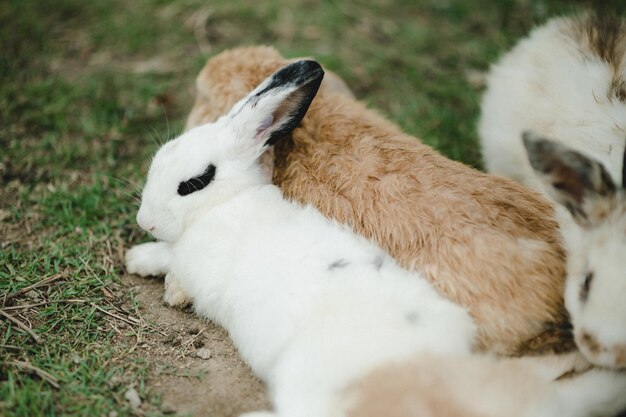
x: 87, y: 92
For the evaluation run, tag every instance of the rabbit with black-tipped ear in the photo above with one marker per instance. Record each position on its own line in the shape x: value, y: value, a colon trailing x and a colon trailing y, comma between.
x: 310, y: 305
x: 595, y: 289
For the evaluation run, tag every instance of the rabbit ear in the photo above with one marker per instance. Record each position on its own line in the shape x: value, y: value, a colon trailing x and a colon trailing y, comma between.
x: 579, y: 183
x: 277, y: 105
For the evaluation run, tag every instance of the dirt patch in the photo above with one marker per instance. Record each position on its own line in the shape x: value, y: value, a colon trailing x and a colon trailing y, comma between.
x: 219, y: 386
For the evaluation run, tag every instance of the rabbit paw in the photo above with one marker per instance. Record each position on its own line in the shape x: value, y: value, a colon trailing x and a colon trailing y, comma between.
x: 174, y: 294
x: 148, y: 259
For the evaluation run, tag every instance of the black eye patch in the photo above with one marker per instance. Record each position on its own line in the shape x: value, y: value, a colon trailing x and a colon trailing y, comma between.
x: 197, y: 183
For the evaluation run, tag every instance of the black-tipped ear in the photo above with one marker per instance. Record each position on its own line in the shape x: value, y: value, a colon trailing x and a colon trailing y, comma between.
x: 298, y: 74
x: 278, y: 105
x: 579, y: 183
x: 306, y: 77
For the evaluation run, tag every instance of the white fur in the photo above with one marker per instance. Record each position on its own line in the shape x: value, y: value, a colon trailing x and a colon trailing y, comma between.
x: 595, y: 392
x: 553, y: 84
x: 150, y: 259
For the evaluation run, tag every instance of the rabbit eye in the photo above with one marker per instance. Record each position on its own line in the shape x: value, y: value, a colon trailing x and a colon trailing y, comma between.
x: 584, y: 289
x: 197, y: 183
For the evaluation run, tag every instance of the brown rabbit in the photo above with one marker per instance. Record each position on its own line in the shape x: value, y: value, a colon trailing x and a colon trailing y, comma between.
x: 485, y: 242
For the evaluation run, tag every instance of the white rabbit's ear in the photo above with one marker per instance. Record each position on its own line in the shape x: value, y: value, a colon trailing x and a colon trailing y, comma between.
x: 277, y: 105
x: 579, y: 183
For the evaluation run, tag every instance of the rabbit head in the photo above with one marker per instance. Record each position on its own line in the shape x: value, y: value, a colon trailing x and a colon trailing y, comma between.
x: 595, y: 291
x: 211, y: 163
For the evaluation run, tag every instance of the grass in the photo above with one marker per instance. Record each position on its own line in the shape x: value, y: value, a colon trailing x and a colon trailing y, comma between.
x: 88, y: 90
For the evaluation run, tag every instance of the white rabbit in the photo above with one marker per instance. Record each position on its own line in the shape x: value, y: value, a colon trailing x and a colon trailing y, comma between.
x: 567, y: 82
x: 310, y: 305
x: 595, y: 289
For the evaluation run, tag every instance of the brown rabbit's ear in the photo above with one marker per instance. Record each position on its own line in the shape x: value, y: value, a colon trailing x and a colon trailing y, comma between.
x: 579, y: 183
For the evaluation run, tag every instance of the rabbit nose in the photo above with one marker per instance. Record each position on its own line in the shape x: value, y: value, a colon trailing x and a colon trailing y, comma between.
x: 143, y: 222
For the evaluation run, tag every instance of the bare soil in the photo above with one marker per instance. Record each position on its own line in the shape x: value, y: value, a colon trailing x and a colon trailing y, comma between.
x: 221, y: 386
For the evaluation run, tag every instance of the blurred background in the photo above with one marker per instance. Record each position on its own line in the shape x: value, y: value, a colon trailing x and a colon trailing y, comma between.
x: 89, y: 88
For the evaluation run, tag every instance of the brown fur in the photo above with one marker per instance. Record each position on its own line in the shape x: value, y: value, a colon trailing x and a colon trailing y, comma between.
x: 604, y: 36
x: 435, y: 386
x: 484, y: 241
